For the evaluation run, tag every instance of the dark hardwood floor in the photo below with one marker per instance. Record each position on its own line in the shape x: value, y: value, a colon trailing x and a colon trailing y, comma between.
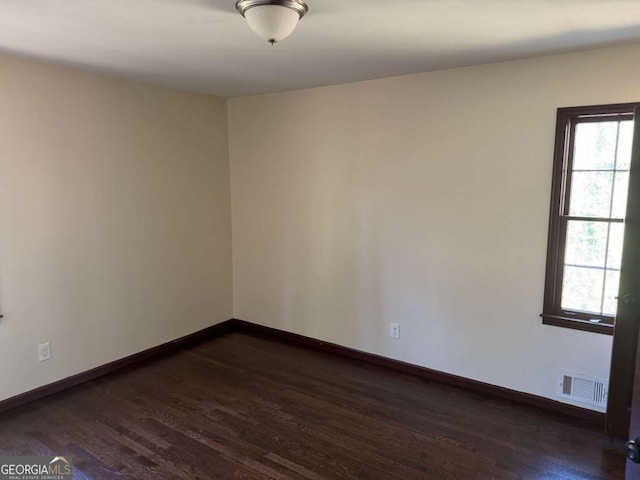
x: 245, y: 407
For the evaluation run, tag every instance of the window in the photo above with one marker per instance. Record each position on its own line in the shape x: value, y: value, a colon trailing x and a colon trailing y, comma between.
x: 588, y: 207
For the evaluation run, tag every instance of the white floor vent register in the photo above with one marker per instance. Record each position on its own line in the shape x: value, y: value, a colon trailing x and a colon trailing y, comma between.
x: 584, y: 389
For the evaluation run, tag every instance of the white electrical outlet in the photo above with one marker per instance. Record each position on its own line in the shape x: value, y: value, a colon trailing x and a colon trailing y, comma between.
x: 394, y: 330
x: 44, y: 352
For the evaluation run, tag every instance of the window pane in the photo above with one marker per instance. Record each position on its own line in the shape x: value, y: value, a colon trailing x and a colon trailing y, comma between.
x: 624, y: 145
x: 595, y: 146
x: 612, y: 284
x: 620, y: 191
x: 591, y: 194
x: 616, y: 239
x: 582, y: 289
x: 586, y: 243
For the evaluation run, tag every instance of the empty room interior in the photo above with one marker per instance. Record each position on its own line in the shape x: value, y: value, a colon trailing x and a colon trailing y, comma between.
x: 320, y: 239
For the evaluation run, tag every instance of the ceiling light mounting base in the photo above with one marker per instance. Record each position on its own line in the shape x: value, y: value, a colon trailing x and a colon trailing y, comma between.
x: 297, y: 6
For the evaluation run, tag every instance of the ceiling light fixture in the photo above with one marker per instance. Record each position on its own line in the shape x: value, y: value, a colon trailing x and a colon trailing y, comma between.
x: 272, y: 20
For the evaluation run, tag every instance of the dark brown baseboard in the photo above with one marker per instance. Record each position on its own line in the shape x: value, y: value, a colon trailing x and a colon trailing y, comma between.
x: 131, y: 360
x: 476, y: 386
x: 487, y: 389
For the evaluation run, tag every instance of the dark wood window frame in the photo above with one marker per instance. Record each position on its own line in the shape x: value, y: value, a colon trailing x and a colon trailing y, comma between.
x: 567, y: 118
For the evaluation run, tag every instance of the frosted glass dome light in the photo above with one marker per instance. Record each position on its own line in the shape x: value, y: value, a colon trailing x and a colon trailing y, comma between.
x: 272, y: 20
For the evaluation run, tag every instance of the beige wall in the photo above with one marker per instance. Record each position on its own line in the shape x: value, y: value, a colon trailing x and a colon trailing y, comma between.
x: 114, y: 219
x: 421, y: 200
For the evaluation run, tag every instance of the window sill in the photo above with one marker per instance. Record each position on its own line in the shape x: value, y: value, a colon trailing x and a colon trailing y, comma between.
x: 577, y: 324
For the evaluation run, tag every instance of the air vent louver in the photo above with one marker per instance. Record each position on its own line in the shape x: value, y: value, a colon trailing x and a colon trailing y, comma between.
x: 584, y: 389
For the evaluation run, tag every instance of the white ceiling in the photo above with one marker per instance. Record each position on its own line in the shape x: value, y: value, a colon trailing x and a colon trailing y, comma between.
x: 204, y: 45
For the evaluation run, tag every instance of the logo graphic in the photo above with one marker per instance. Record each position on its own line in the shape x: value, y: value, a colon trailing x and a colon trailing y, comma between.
x: 35, y: 468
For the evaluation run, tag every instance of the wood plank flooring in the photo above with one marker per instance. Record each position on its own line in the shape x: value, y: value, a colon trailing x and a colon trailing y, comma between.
x: 243, y: 407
